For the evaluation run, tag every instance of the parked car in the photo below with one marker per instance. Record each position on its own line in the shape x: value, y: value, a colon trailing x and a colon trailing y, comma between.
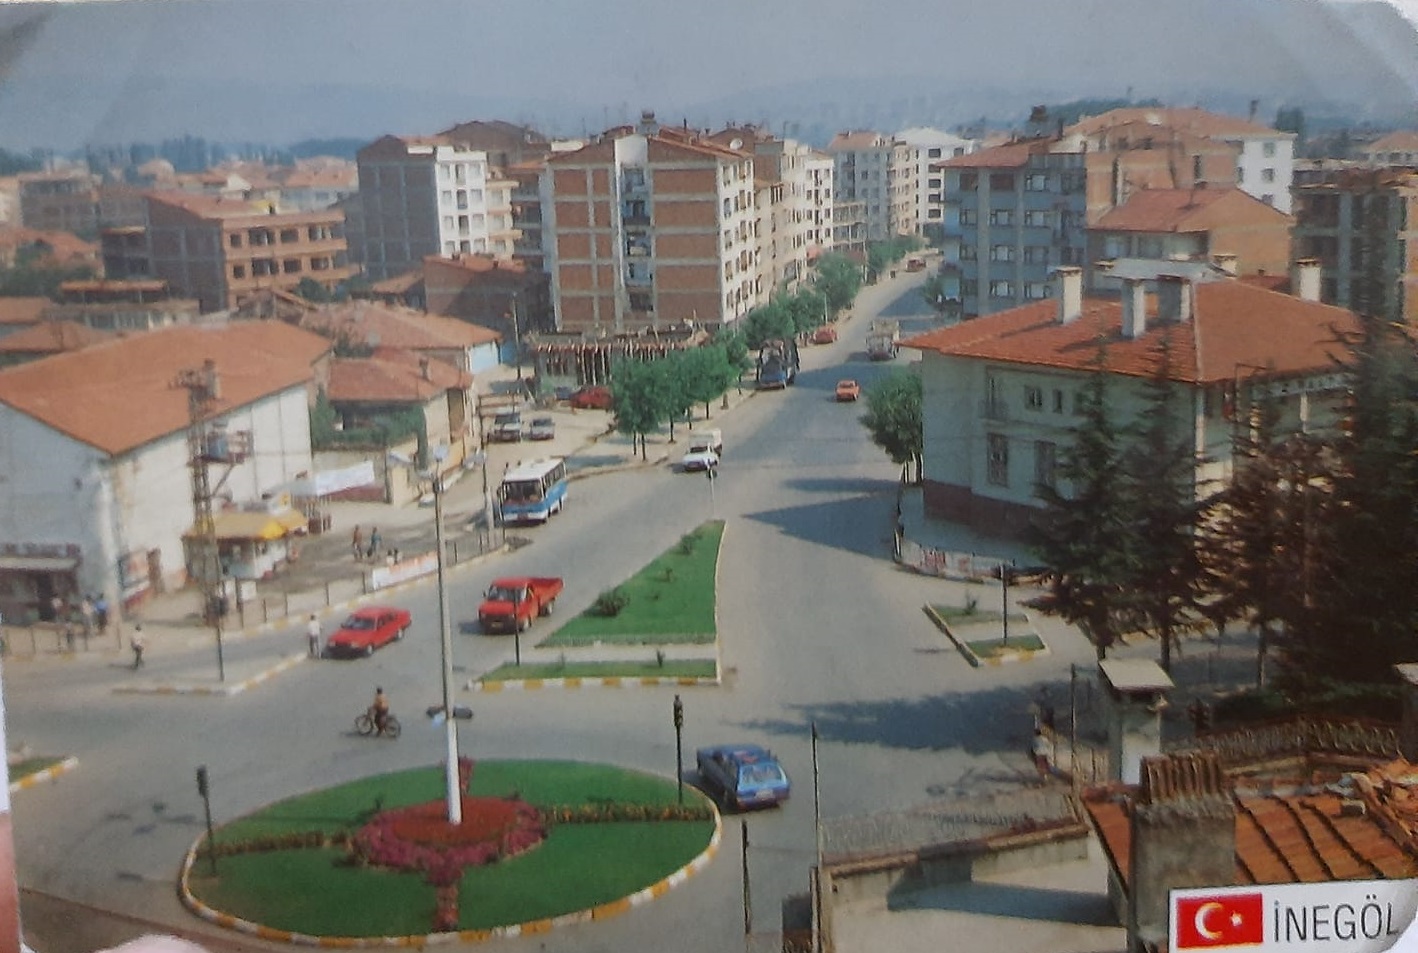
x: 367, y: 629
x: 743, y: 776
x: 826, y: 334
x: 512, y: 603
x: 506, y: 428
x: 848, y: 390
x: 563, y: 391
x: 915, y: 263
x: 542, y: 428
x: 593, y: 397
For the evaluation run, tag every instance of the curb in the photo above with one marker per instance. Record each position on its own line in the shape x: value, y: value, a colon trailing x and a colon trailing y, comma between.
x: 225, y: 691
x: 48, y: 774
x: 607, y: 681
x: 1014, y: 655
x: 530, y: 928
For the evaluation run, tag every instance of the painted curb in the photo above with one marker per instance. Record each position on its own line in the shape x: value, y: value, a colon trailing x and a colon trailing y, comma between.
x: 1015, y: 655
x: 530, y: 928
x: 222, y: 691
x: 574, y: 682
x: 48, y: 774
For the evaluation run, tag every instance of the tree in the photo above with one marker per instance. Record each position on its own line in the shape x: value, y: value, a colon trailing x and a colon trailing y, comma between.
x: 703, y: 374
x: 735, y: 352
x: 1291, y: 119
x: 839, y: 279
x: 933, y: 292
x: 313, y: 291
x: 894, y: 418
x: 1085, y: 536
x: 643, y: 397
x: 807, y: 307
x: 766, y: 322
x: 1165, y: 577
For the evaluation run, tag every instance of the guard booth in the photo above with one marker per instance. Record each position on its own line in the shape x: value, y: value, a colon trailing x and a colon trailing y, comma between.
x: 1134, y: 696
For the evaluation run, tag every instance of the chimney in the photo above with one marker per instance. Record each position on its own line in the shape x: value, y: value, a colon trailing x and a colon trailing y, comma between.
x: 1183, y: 825
x: 648, y: 126
x: 1227, y: 262
x: 211, y: 380
x: 1134, y: 308
x: 1174, y: 299
x: 1070, y: 288
x: 424, y: 370
x: 1305, y: 279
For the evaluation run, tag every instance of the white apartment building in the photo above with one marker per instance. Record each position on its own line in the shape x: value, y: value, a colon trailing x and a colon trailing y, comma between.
x: 817, y: 169
x: 425, y: 196
x: 928, y: 147
x: 785, y: 203
x: 878, y: 171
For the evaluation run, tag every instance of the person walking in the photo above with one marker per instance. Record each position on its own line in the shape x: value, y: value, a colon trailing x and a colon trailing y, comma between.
x: 1042, y: 750
x: 101, y: 614
x: 312, y: 636
x: 357, y: 543
x: 374, y: 540
x: 89, y: 615
x: 137, y: 643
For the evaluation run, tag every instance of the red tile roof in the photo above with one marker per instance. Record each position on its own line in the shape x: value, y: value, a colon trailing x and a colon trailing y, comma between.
x: 1198, y: 121
x: 397, y: 328
x: 121, y: 394
x: 1011, y: 155
x: 391, y: 377
x: 1234, y: 325
x: 857, y: 139
x: 1188, y: 210
x: 1401, y: 141
x: 52, y: 337
x: 63, y: 246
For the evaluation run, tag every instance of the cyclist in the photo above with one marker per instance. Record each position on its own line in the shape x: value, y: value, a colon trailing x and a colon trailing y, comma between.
x: 379, y: 711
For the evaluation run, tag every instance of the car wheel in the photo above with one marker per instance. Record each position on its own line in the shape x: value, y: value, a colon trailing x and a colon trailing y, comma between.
x: 368, y: 651
x: 399, y: 635
x: 548, y: 606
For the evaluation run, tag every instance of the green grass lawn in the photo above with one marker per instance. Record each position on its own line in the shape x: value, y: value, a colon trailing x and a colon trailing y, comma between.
x: 311, y: 891
x: 30, y: 766
x: 671, y: 601
x: 991, y: 648
x: 673, y: 668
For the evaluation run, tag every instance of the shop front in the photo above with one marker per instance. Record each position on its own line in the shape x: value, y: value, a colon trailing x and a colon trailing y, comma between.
x: 33, y: 576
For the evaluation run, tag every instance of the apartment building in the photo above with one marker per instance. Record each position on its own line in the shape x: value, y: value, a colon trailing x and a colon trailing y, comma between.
x: 929, y: 147
x: 61, y: 201
x: 220, y: 250
x: 1265, y: 157
x: 879, y: 171
x: 818, y: 168
x: 1361, y: 225
x: 1396, y: 148
x: 650, y: 227
x: 423, y: 196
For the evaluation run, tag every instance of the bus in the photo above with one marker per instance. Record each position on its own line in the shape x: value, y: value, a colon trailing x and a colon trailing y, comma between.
x: 532, y: 492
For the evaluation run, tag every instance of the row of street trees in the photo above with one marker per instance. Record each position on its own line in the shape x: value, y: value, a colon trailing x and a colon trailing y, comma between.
x: 1314, y: 542
x: 833, y: 287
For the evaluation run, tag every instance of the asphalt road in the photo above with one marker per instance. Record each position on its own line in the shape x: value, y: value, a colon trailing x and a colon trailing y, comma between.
x: 816, y: 626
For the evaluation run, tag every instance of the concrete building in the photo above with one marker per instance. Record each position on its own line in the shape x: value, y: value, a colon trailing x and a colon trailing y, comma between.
x: 1265, y: 157
x: 219, y: 250
x: 929, y: 148
x: 1199, y: 225
x: 505, y: 298
x: 880, y: 171
x: 818, y: 167
x: 1001, y: 393
x: 1396, y: 148
x: 1362, y: 227
x: 651, y: 227
x: 423, y: 196
x: 60, y: 201
x: 94, y: 445
x: 849, y: 226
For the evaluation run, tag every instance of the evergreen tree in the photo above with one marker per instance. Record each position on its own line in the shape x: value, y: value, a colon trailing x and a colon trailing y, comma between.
x: 1084, y: 536
x: 894, y: 418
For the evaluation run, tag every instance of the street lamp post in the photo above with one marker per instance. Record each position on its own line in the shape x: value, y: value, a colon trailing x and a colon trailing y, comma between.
x: 679, y: 747
x: 445, y: 631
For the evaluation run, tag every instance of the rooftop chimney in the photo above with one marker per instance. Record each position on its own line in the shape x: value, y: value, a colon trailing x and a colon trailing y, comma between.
x: 648, y: 125
x: 1174, y: 299
x: 210, y: 378
x: 1305, y: 279
x: 1134, y: 308
x: 1227, y: 262
x: 1070, y: 288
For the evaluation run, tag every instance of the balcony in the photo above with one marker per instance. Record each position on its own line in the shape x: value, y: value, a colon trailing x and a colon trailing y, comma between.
x: 994, y: 410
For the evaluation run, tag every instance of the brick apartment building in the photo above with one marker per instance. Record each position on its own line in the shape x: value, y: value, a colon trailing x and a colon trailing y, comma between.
x: 218, y: 250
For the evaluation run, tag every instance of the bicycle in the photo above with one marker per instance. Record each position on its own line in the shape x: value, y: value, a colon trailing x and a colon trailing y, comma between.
x: 365, y: 725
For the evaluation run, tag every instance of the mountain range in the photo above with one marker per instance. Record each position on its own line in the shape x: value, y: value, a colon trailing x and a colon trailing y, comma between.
x: 276, y: 71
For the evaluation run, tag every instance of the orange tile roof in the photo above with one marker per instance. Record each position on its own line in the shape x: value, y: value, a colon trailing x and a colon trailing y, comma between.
x: 1234, y: 325
x: 1199, y: 121
x: 1188, y: 210
x: 15, y: 311
x: 63, y: 246
x: 121, y: 394
x: 1011, y: 155
x: 395, y: 327
x: 391, y: 377
x: 1401, y: 141
x: 52, y: 337
x: 481, y: 264
x: 856, y: 139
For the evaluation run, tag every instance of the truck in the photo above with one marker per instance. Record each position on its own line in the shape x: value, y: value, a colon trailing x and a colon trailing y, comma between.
x: 777, y: 364
x: 883, y: 336
x: 506, y: 428
x: 704, y: 450
x: 513, y: 602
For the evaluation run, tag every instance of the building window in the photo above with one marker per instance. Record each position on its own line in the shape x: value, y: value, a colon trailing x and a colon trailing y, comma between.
x: 1036, y: 254
x: 1001, y: 216
x: 234, y: 239
x: 969, y: 287
x: 969, y: 181
x: 1036, y: 290
x: 238, y: 271
x: 968, y: 253
x: 1267, y: 149
x: 1033, y: 397
x: 1001, y: 289
x: 1071, y: 183
x: 1001, y: 253
x: 1036, y: 182
x: 460, y: 174
x: 933, y: 153
x: 1036, y: 218
x: 291, y: 266
x: 1058, y: 401
x: 1045, y: 465
x: 1267, y: 175
x: 997, y: 459
x: 447, y: 196
x: 448, y: 222
x: 968, y: 216
x: 933, y: 182
x: 1001, y: 182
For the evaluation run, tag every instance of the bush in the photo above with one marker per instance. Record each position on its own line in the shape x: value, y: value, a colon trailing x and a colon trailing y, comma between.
x: 610, y: 602
x: 687, y: 543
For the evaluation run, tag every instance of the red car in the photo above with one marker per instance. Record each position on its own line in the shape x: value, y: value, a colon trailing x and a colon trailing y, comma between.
x: 592, y: 398
x: 367, y: 629
x: 826, y: 334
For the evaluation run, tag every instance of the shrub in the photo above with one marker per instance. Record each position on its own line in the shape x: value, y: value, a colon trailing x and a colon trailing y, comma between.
x: 687, y: 542
x: 610, y: 602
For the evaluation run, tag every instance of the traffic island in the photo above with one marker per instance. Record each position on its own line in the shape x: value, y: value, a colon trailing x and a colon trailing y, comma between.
x: 375, y: 863
x: 981, y: 636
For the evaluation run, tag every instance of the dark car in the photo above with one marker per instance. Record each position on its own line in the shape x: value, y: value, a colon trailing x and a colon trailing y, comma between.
x: 592, y: 398
x: 367, y: 629
x: 743, y: 776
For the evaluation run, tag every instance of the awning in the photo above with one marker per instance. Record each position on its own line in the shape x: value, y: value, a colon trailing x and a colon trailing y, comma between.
x: 256, y: 524
x: 38, y: 563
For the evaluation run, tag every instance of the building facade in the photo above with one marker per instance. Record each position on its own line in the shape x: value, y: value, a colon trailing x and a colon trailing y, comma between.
x: 929, y: 148
x: 818, y: 168
x: 879, y: 171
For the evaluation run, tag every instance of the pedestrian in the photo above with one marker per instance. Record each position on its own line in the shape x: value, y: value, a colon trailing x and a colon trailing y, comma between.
x: 88, y: 614
x: 1042, y: 750
x: 56, y: 608
x: 137, y: 643
x: 69, y: 635
x: 357, y: 543
x: 101, y: 614
x: 374, y: 540
x: 312, y: 636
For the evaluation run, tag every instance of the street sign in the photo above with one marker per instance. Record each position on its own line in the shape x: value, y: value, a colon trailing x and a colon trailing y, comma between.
x: 1339, y: 916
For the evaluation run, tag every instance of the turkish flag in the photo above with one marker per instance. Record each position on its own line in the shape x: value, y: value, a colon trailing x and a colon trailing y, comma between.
x: 1226, y: 919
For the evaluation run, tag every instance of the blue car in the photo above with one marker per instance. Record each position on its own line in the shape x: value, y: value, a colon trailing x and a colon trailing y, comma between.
x: 743, y: 776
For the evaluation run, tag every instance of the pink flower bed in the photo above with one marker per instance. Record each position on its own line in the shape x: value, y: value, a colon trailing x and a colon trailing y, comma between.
x: 420, y: 838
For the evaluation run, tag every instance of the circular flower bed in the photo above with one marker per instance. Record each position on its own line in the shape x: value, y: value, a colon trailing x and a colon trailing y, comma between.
x: 420, y: 838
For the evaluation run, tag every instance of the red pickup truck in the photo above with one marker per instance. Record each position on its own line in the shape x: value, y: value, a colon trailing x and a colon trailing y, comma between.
x: 512, y: 603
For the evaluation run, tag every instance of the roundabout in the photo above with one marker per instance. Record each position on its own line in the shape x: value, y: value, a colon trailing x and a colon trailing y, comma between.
x: 375, y: 863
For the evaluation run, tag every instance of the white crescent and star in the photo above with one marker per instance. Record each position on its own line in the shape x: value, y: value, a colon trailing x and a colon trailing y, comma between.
x: 1200, y: 920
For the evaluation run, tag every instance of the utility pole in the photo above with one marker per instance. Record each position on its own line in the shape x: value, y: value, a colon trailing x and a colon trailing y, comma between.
x: 204, y: 445
x: 517, y: 337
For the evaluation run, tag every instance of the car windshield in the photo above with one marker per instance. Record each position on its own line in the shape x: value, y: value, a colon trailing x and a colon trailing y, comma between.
x: 504, y: 594
x: 543, y: 422
x: 760, y: 774
x: 521, y: 491
x: 358, y: 622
